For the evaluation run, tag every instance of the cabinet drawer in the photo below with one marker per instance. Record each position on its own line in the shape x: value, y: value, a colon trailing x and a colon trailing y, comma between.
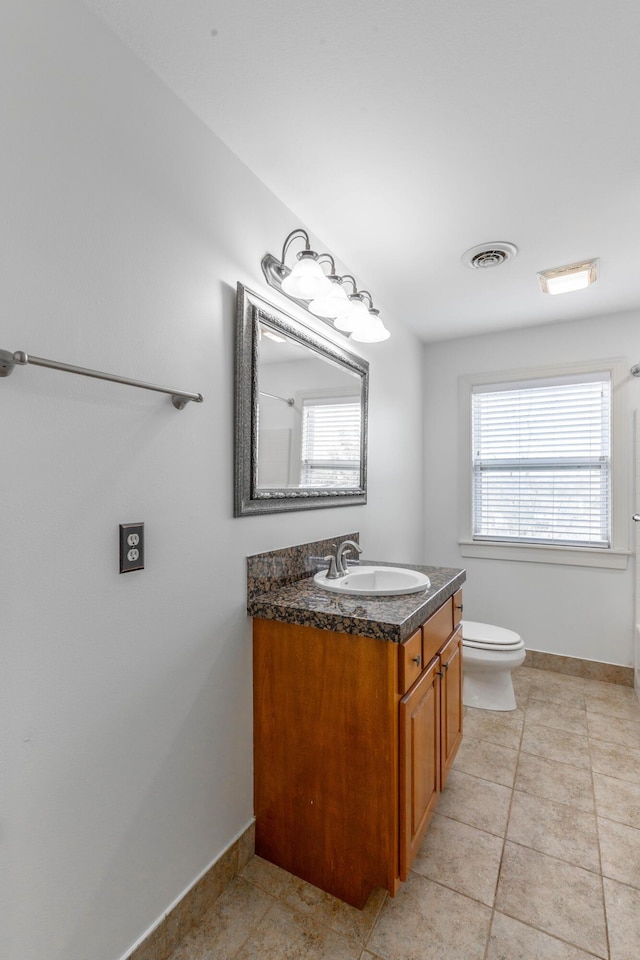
x: 457, y: 607
x: 436, y: 630
x: 410, y: 661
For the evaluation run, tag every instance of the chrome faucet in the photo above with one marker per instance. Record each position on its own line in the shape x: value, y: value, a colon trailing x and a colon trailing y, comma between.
x: 344, y: 548
x: 337, y: 562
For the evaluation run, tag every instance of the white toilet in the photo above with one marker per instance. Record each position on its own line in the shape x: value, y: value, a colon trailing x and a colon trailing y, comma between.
x: 489, y: 655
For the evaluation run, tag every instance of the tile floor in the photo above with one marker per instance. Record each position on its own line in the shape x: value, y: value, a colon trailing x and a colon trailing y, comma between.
x: 534, y: 853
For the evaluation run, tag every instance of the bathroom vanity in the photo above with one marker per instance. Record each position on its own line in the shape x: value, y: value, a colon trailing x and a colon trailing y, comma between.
x: 357, y: 719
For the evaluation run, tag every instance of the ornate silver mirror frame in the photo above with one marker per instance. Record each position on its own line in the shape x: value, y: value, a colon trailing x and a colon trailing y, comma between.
x: 255, y: 316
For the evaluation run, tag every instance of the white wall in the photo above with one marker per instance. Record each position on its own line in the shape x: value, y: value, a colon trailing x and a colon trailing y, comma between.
x: 126, y: 225
x: 636, y: 544
x: 573, y: 611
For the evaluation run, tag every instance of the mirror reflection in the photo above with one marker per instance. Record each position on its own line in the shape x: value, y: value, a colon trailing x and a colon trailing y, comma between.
x: 309, y: 417
x: 301, y: 414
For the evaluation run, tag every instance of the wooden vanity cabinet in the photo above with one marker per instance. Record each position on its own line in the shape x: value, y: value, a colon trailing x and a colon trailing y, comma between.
x: 353, y: 739
x: 452, y: 709
x: 420, y: 759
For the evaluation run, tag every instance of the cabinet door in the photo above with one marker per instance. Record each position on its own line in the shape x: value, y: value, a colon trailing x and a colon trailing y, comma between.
x: 452, y: 708
x: 419, y: 762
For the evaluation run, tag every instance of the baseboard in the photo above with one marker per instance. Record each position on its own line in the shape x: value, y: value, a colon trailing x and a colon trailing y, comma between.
x: 575, y: 667
x: 160, y: 942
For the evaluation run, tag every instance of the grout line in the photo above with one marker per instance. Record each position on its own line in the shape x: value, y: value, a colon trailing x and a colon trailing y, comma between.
x: 506, y: 831
x: 553, y: 936
x: 604, y: 900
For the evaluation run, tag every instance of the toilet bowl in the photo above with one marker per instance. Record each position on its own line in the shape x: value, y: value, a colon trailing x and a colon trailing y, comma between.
x: 489, y: 655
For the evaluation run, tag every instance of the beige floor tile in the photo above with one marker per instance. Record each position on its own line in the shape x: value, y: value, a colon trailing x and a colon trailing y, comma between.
x: 615, y: 761
x: 461, y: 857
x: 340, y: 917
x: 285, y: 933
x: 555, y: 828
x: 512, y: 940
x: 617, y: 799
x: 552, y: 780
x: 553, y: 678
x: 623, y: 918
x: 561, y: 716
x: 479, y: 803
x: 554, y: 692
x: 521, y: 687
x: 557, y: 745
x: 525, y: 671
x: 615, y: 691
x: 487, y: 760
x: 225, y: 927
x: 503, y: 728
x: 425, y: 920
x: 267, y: 876
x: 622, y: 709
x: 620, y: 850
x: 624, y: 732
x: 557, y: 897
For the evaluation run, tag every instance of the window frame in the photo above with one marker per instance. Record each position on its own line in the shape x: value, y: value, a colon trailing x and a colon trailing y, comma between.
x: 616, y: 555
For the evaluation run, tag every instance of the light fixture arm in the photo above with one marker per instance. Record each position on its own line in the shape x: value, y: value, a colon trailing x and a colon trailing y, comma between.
x: 324, y: 257
x: 361, y: 294
x: 294, y: 235
x: 351, y: 280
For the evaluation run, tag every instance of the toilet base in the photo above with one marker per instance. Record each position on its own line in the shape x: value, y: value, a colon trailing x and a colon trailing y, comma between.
x: 489, y: 691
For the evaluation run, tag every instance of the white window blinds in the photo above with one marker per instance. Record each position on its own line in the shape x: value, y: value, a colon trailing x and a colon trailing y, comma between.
x: 542, y: 461
x: 330, y: 442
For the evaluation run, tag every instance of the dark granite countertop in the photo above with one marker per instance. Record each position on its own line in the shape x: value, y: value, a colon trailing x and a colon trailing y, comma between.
x: 385, y: 618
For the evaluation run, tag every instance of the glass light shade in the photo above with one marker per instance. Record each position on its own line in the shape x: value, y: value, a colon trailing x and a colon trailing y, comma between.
x: 358, y: 316
x: 307, y: 279
x: 333, y: 305
x: 374, y: 331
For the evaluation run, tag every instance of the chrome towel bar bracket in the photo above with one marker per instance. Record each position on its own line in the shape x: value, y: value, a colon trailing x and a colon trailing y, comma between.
x: 179, y: 398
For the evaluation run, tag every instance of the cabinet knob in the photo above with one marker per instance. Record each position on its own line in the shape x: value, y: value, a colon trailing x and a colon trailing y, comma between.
x: 417, y: 660
x: 459, y: 607
x: 439, y: 673
x: 445, y: 666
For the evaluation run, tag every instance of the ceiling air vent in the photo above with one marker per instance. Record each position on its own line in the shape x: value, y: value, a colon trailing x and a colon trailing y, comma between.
x: 487, y: 255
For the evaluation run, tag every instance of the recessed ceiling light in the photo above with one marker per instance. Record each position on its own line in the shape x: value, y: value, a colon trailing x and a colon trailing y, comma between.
x: 575, y: 276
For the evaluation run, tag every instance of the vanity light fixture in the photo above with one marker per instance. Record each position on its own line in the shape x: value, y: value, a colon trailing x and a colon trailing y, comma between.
x: 574, y: 276
x: 323, y: 294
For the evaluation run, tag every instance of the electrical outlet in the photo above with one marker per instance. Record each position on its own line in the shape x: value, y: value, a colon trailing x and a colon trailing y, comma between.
x: 131, y: 547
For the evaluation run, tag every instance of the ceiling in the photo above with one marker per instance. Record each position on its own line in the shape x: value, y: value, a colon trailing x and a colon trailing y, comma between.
x: 401, y: 134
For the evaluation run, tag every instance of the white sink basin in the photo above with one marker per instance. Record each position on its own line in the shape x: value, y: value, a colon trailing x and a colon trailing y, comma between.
x: 376, y: 581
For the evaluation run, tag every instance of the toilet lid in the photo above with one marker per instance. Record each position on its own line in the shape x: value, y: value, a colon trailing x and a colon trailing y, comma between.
x: 486, y: 636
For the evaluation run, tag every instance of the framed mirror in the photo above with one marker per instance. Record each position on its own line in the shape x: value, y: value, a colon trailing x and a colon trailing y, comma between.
x: 300, y: 415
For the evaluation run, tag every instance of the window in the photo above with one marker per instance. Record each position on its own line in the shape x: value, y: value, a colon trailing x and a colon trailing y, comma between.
x: 542, y: 461
x: 543, y: 465
x: 330, y: 455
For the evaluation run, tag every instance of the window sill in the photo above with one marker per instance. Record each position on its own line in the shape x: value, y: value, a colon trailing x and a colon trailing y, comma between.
x: 613, y: 559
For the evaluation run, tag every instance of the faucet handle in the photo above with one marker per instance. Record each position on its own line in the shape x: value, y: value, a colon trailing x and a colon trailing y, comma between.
x: 332, y: 572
